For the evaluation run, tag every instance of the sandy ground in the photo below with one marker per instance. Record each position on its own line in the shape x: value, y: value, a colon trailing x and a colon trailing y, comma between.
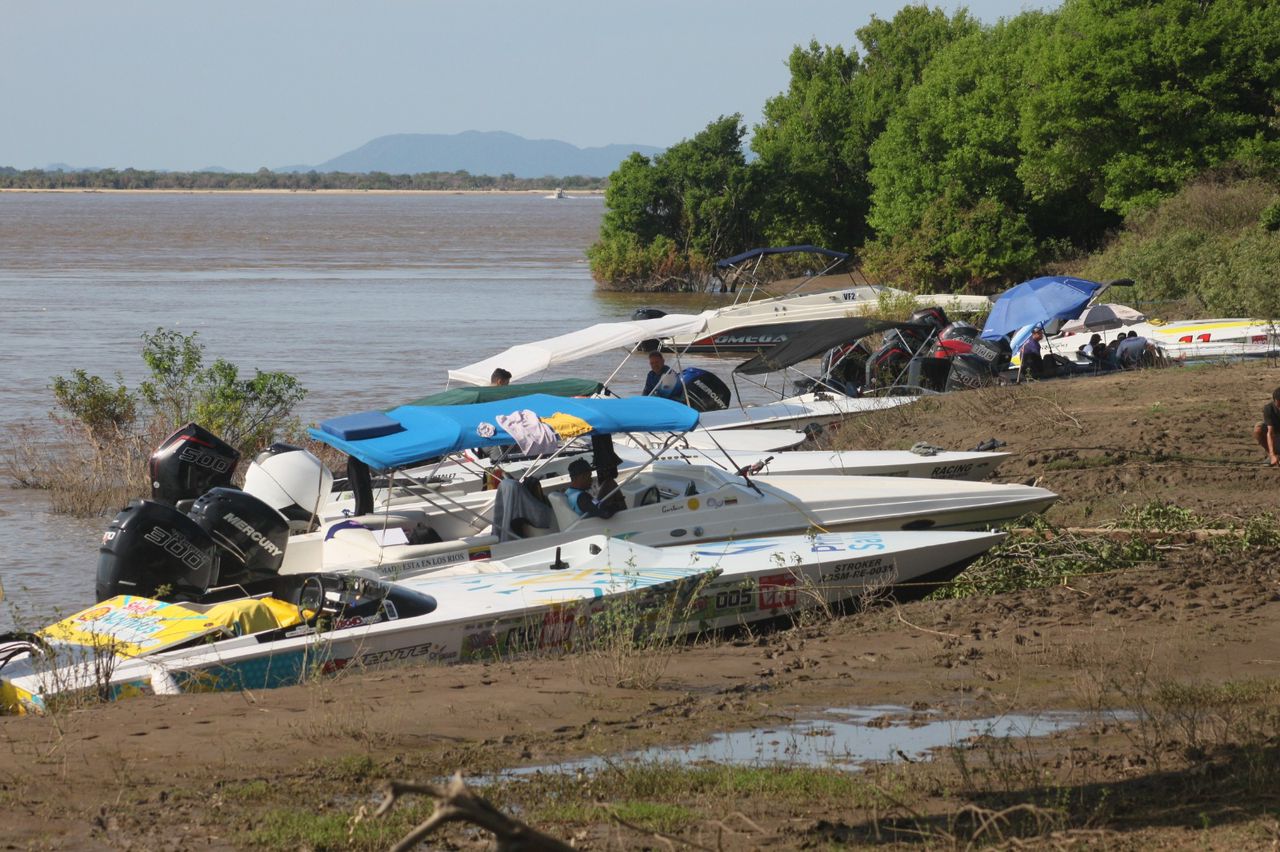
x: 274, y: 769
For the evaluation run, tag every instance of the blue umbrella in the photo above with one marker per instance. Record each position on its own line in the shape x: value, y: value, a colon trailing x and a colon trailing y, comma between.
x: 1039, y: 300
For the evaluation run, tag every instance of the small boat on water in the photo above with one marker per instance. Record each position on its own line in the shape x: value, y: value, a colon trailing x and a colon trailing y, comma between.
x: 547, y: 601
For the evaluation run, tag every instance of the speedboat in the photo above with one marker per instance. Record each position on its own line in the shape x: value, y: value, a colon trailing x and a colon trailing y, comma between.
x: 545, y: 602
x: 399, y: 526
x: 937, y: 464
x: 667, y: 502
x: 701, y: 389
x: 750, y: 324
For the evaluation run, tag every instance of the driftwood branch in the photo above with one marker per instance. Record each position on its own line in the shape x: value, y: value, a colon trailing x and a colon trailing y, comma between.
x: 456, y: 803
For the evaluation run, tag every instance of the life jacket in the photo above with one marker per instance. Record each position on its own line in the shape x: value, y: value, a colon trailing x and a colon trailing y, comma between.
x: 572, y: 495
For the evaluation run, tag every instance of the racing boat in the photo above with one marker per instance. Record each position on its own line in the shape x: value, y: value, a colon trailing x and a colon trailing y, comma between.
x: 546, y: 601
x: 941, y: 464
x: 667, y: 502
x: 749, y: 324
x: 701, y: 389
x: 399, y: 525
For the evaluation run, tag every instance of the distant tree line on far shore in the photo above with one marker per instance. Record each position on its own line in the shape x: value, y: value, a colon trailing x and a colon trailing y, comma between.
x: 11, y: 178
x: 951, y: 155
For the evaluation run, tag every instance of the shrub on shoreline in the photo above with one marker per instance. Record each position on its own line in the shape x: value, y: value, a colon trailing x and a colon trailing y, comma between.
x: 106, y: 433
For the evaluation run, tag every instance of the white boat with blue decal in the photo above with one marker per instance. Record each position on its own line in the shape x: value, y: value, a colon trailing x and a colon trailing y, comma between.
x: 542, y: 602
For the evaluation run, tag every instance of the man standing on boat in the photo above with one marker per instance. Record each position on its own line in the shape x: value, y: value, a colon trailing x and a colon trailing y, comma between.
x: 662, y: 380
x: 1267, y: 433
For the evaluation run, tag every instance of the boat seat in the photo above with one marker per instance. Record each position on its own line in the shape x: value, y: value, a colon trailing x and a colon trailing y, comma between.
x: 565, y: 516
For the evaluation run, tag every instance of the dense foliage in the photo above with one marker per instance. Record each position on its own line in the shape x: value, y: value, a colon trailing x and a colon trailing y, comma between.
x: 246, y: 412
x: 11, y: 178
x: 1214, y: 245
x: 953, y: 155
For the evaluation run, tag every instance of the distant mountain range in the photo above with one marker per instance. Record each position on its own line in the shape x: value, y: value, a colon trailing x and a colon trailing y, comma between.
x: 480, y: 153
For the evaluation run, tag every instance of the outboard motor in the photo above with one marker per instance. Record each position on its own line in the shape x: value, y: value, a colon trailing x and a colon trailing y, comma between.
x: 252, y: 535
x: 292, y: 481
x: 932, y: 316
x: 190, y: 462
x: 152, y: 546
x: 996, y: 354
x: 844, y: 368
x: 647, y: 313
x: 705, y: 391
x: 955, y: 339
x: 887, y: 362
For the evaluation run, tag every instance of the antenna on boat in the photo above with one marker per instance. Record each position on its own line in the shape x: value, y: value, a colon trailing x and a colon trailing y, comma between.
x: 559, y: 564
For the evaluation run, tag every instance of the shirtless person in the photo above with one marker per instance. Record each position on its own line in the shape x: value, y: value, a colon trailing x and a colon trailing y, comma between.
x: 1267, y: 433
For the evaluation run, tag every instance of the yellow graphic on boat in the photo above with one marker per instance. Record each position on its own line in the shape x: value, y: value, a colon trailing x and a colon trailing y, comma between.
x: 133, y: 626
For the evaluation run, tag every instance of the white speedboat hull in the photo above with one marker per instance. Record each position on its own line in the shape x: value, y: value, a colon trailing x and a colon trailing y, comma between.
x: 502, y: 610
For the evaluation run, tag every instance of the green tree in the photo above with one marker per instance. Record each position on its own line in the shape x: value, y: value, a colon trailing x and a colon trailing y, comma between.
x: 1132, y: 98
x: 947, y: 203
x: 813, y: 144
x: 678, y: 212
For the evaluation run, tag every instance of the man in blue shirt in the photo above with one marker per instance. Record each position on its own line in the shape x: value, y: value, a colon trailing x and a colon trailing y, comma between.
x: 662, y: 380
x: 1032, y: 362
x: 580, y: 497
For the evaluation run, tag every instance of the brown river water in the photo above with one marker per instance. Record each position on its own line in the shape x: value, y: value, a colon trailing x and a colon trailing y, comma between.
x: 367, y: 299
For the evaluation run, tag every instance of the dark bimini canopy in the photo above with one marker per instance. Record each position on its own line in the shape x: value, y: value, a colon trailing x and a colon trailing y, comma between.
x: 760, y: 252
x: 814, y: 338
x: 490, y: 393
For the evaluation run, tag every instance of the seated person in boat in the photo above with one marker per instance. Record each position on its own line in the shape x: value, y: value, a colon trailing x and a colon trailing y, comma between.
x: 662, y: 380
x: 1093, y: 349
x: 1131, y: 351
x: 1267, y: 433
x: 604, y: 502
x: 500, y: 378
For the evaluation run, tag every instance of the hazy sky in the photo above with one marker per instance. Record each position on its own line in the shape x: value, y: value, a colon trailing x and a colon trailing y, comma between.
x: 176, y: 84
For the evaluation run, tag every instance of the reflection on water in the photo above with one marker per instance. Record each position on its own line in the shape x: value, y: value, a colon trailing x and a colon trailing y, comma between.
x: 842, y: 739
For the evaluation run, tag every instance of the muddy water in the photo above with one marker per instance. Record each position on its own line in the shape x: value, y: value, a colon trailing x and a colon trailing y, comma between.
x: 368, y: 299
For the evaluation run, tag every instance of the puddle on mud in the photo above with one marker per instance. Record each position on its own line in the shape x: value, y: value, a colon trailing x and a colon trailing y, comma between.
x: 843, y: 738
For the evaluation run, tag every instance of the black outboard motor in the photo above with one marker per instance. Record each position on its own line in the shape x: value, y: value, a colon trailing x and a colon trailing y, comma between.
x: 844, y: 368
x: 189, y: 463
x: 251, y: 535
x: 647, y: 313
x: 705, y: 391
x: 932, y: 316
x: 996, y: 354
x: 150, y: 546
x: 890, y: 360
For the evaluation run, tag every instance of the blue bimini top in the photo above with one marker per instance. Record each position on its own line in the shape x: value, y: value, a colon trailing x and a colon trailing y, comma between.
x: 411, y: 434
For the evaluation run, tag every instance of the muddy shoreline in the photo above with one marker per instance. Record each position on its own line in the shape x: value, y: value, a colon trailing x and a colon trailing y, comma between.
x: 291, y: 768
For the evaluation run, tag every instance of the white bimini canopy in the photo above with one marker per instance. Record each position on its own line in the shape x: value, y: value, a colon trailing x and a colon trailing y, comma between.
x: 527, y: 359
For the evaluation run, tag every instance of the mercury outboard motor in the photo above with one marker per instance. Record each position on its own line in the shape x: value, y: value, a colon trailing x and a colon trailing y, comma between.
x: 932, y: 316
x: 152, y: 546
x: 706, y: 392
x: 189, y: 463
x: 292, y: 481
x: 252, y: 535
x: 955, y: 339
x: 890, y: 360
x: 647, y: 313
x: 996, y: 354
